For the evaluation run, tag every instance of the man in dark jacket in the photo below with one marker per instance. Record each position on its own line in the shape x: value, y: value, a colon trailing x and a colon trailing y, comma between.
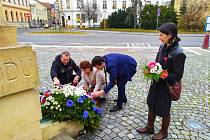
x: 62, y: 70
x: 121, y: 69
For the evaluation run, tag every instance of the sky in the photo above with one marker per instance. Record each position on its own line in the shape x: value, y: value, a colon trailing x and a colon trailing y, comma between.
x: 153, y: 1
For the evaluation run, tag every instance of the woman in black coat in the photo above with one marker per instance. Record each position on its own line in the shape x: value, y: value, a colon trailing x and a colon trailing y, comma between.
x: 172, y: 58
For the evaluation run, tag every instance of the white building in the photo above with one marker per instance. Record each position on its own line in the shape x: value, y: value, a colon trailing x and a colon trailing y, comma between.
x: 39, y: 14
x: 149, y: 2
x: 72, y: 13
x: 166, y: 3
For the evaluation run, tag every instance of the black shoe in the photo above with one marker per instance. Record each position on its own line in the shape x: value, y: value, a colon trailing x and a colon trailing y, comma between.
x: 102, y: 100
x: 116, y: 108
x: 125, y: 101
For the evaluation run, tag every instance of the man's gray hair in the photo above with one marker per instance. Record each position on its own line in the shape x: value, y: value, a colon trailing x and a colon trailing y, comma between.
x: 66, y: 53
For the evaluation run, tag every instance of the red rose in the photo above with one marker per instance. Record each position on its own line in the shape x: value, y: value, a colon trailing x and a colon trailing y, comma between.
x: 164, y: 74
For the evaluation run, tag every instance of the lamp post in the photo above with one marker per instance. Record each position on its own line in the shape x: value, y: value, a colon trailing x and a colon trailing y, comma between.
x: 158, y: 15
x: 134, y: 4
x: 57, y: 11
x: 57, y: 8
x: 80, y: 8
x: 140, y: 6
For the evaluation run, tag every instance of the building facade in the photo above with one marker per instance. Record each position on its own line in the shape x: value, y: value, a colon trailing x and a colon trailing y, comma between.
x: 50, y: 12
x: 73, y: 11
x: 16, y: 11
x: 39, y: 14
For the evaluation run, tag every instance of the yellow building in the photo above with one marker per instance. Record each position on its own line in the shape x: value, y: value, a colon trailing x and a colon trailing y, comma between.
x: 16, y: 12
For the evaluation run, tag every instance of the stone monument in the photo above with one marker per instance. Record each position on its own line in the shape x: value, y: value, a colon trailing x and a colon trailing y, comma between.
x: 20, y: 110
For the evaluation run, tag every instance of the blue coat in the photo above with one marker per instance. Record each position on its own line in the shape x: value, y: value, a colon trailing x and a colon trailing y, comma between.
x: 120, y: 67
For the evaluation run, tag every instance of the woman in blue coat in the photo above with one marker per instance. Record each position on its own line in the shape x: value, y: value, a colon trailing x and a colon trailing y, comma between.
x: 121, y: 69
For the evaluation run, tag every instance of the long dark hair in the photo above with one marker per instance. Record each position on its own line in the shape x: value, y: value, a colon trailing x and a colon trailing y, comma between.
x: 170, y: 28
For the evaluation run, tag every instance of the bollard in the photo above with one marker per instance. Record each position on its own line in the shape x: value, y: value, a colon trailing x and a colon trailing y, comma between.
x: 206, y: 42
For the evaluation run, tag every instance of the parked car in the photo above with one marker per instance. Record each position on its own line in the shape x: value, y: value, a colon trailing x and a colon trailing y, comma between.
x: 46, y: 26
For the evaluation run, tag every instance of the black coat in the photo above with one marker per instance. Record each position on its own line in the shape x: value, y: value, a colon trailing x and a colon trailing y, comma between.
x: 64, y: 72
x: 173, y: 60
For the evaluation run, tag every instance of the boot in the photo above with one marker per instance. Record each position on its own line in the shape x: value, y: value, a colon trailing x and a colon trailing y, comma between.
x: 164, y: 129
x: 149, y: 129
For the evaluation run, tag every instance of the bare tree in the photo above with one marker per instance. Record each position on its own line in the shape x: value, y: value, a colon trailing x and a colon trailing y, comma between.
x: 172, y: 3
x: 91, y: 11
x: 136, y: 9
x: 193, y: 15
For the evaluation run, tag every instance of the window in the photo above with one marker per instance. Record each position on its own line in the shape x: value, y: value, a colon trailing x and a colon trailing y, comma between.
x: 95, y: 18
x: 26, y: 3
x: 9, y: 1
x: 67, y: 4
x: 14, y: 1
x: 17, y: 18
x: 69, y: 18
x: 83, y: 18
x: 18, y: 2
x: 25, y: 17
x: 124, y: 5
x: 23, y: 2
x: 104, y: 4
x: 78, y: 3
x: 94, y: 4
x: 6, y: 15
x: 78, y: 18
x: 82, y: 4
x: 21, y: 17
x: 12, y: 16
x: 114, y: 4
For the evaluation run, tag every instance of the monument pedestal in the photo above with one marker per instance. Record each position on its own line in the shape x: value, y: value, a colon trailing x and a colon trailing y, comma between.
x: 19, y: 98
x: 7, y: 35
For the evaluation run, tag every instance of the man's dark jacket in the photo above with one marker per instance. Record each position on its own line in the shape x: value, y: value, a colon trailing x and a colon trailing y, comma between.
x: 64, y: 72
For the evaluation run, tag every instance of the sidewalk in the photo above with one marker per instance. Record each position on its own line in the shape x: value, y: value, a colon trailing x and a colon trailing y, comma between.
x: 190, y: 115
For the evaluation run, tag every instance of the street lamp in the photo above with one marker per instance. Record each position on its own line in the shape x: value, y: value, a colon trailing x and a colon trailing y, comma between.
x: 140, y: 9
x: 57, y: 11
x: 57, y: 8
x: 134, y: 4
x: 158, y: 15
x: 80, y: 8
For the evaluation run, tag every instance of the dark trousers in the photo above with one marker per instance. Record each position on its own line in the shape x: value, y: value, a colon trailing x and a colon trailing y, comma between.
x: 121, y: 91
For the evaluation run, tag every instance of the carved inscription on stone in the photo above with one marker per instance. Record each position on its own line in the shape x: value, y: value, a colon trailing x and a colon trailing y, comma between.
x: 17, y: 72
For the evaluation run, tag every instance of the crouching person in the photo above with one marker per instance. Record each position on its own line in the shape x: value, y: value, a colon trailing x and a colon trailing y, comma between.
x: 62, y: 70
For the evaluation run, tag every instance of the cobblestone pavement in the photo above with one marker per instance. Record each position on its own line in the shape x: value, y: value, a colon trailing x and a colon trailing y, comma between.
x: 190, y: 116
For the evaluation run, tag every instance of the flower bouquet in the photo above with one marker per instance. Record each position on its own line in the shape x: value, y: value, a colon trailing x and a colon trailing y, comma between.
x: 154, y: 71
x: 69, y: 103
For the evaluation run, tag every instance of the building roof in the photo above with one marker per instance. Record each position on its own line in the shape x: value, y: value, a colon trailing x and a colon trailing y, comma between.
x: 47, y: 5
x: 52, y: 6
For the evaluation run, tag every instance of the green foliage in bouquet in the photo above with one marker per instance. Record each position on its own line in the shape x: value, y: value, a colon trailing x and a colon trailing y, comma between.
x: 149, y: 76
x: 154, y: 71
x: 72, y: 104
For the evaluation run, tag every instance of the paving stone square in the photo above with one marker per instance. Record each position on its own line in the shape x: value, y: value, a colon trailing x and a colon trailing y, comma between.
x: 190, y: 116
